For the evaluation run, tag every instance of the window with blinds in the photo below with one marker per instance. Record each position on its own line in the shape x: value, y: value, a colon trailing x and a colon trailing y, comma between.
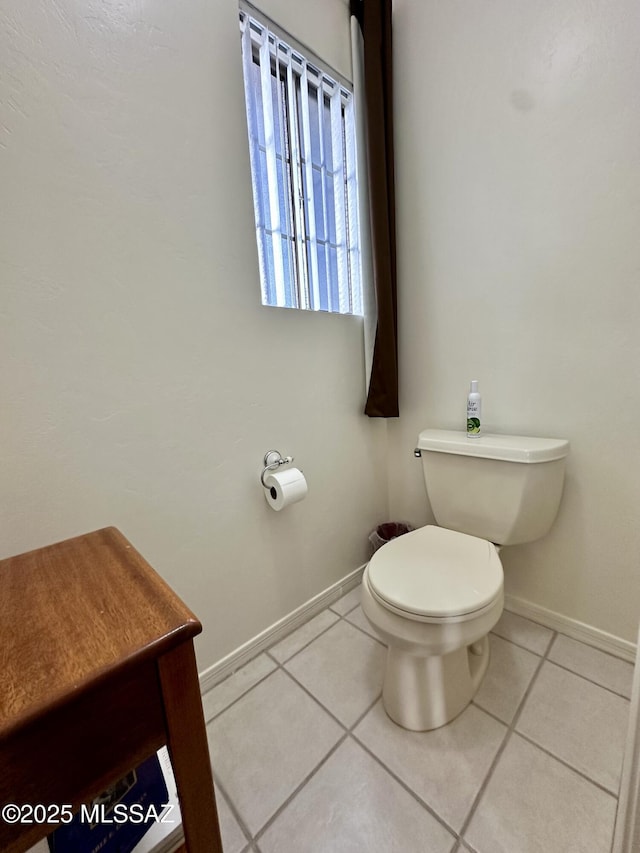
x: 302, y: 145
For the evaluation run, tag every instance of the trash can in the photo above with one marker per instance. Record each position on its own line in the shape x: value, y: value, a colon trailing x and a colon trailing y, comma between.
x: 386, y: 532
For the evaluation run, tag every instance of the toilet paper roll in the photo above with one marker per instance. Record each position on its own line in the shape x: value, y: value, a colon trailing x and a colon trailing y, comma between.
x: 284, y: 488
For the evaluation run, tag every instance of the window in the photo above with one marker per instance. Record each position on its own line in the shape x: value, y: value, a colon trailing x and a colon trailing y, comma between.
x: 302, y: 144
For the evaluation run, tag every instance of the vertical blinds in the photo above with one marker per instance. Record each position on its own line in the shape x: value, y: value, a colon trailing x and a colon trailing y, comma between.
x: 302, y: 145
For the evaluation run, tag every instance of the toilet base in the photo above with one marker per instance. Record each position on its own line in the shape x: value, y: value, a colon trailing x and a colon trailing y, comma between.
x: 434, y: 668
x: 423, y: 692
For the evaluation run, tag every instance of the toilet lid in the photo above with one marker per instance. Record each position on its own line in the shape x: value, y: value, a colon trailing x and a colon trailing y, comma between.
x: 436, y: 572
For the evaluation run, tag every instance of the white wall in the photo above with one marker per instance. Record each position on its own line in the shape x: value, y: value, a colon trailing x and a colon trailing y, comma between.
x: 518, y: 188
x: 142, y: 381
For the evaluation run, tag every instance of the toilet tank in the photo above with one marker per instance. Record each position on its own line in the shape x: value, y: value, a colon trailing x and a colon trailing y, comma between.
x: 504, y: 488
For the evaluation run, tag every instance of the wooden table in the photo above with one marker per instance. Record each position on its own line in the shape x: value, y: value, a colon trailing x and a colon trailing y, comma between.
x: 97, y: 672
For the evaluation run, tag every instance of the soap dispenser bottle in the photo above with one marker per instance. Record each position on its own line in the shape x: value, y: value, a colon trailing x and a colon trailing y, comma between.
x: 474, y: 413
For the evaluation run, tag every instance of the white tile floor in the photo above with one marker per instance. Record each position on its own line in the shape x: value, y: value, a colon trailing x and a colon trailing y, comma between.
x: 305, y: 758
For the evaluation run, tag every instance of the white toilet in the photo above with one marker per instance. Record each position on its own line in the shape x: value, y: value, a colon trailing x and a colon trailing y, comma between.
x: 434, y: 594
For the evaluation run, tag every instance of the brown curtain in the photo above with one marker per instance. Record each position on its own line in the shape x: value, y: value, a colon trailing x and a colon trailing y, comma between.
x: 374, y: 18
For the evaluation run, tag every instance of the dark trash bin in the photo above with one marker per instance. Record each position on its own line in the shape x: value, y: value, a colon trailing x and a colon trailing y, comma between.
x: 386, y: 532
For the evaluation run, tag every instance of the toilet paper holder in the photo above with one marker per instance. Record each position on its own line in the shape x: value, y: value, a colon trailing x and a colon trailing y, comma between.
x: 273, y: 459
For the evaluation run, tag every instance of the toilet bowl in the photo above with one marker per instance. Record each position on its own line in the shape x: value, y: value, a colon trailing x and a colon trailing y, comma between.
x: 433, y: 595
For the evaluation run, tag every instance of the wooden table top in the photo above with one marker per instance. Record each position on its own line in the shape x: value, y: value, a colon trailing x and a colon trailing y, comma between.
x: 73, y: 614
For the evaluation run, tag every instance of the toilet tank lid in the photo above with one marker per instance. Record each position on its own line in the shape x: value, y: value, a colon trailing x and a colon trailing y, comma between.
x: 510, y: 448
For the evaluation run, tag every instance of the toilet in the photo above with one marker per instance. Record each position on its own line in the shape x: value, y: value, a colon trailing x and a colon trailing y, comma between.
x: 434, y: 594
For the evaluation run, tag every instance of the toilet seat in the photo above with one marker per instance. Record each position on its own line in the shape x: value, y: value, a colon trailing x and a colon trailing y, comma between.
x: 436, y: 575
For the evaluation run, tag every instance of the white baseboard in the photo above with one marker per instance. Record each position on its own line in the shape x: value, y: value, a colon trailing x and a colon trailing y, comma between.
x: 572, y: 628
x: 234, y: 660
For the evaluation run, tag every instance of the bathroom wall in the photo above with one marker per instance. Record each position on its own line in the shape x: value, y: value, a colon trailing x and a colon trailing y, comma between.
x: 518, y: 188
x: 141, y: 379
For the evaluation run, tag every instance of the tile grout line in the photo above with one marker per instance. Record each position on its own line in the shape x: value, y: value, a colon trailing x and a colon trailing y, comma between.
x: 541, y: 657
x: 346, y: 732
x: 507, y: 737
x: 362, y: 631
x: 268, y: 653
x: 593, y: 648
x: 344, y: 737
x: 316, y: 700
x: 423, y: 803
x: 312, y: 640
x: 517, y: 644
x: 235, y: 813
x: 339, y: 617
x: 277, y: 664
x: 244, y: 693
x: 268, y: 823
x: 547, y: 659
x: 590, y: 680
x: 282, y: 666
x: 566, y: 764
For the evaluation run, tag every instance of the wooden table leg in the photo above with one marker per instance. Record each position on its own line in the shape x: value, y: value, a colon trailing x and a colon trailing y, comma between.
x: 188, y: 749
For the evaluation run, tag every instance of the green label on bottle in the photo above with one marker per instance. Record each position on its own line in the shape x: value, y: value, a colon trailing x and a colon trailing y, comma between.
x: 473, y: 426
